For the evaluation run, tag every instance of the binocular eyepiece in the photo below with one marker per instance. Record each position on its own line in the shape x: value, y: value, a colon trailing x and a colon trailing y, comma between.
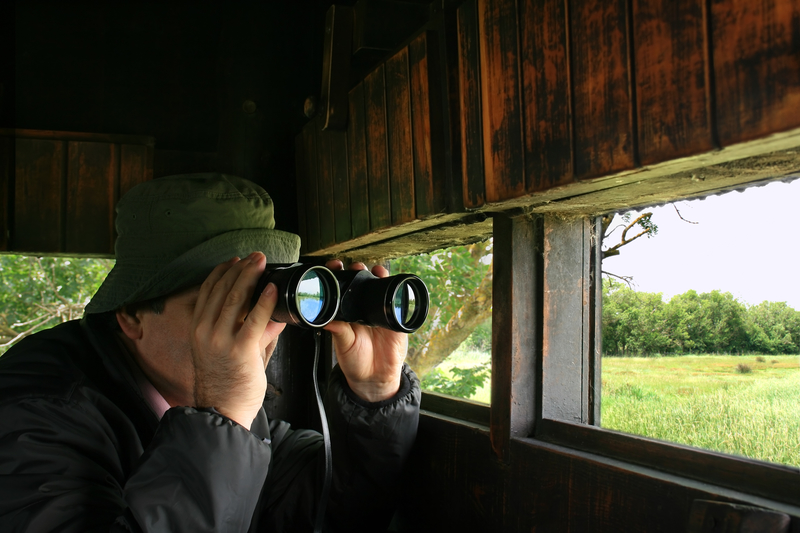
x: 311, y: 296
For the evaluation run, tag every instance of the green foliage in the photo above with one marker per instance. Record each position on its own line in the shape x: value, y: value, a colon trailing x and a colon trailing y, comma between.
x: 773, y: 328
x: 640, y: 323
x: 481, y: 338
x: 452, y: 276
x: 41, y: 292
x: 461, y: 382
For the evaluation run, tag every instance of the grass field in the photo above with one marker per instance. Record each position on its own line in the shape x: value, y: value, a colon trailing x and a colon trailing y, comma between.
x: 704, y: 401
x: 700, y: 401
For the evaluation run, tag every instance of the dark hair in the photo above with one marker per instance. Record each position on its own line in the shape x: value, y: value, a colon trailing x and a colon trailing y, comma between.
x: 154, y: 305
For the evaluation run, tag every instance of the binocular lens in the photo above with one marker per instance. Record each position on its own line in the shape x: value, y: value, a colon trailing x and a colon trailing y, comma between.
x: 310, y: 296
x: 404, y: 303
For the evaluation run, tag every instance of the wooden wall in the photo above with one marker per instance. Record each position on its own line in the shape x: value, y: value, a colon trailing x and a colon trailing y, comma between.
x: 59, y: 189
x: 386, y: 169
x: 552, y: 97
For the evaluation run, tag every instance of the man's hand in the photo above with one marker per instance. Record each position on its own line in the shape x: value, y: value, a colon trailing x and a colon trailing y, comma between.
x: 230, y: 347
x: 370, y: 358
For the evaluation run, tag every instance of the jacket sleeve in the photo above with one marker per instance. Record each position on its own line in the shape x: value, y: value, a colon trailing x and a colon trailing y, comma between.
x: 370, y: 443
x: 202, y: 472
x: 63, y: 470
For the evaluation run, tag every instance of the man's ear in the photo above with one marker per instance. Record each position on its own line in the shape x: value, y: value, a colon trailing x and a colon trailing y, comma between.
x: 131, y: 325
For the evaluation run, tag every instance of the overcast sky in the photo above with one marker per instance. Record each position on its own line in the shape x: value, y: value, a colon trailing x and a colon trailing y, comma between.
x: 743, y: 243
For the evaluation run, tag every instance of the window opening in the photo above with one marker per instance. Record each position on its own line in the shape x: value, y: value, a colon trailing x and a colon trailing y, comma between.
x: 701, y: 323
x: 40, y: 292
x: 451, y: 353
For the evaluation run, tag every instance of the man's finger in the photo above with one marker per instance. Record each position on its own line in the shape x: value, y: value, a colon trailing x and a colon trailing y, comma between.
x: 210, y: 282
x: 237, y: 300
x: 259, y: 317
x: 219, y: 293
x: 380, y: 271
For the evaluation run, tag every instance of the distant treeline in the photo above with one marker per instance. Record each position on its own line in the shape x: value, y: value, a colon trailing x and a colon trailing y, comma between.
x: 641, y: 323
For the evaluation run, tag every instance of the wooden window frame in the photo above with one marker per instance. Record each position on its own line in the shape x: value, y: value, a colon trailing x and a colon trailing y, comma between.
x: 546, y: 364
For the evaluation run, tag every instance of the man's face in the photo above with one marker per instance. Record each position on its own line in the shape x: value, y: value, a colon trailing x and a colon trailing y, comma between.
x: 164, y: 350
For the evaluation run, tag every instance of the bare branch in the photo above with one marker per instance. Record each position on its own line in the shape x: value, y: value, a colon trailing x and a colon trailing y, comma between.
x: 681, y: 216
x: 627, y: 279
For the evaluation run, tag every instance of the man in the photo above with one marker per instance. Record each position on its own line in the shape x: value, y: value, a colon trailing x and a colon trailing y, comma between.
x: 147, y: 414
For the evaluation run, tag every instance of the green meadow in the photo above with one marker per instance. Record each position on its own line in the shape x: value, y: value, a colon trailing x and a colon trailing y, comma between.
x: 743, y: 405
x: 706, y: 401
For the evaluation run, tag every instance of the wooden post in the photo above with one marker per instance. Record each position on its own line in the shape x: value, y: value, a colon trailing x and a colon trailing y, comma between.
x: 516, y: 330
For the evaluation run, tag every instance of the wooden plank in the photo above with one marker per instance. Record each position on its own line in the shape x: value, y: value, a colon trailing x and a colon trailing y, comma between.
x: 336, y: 58
x: 133, y: 167
x: 602, y: 103
x: 426, y: 125
x: 398, y: 122
x: 357, y: 162
x: 756, y: 58
x: 6, y: 191
x: 301, y: 179
x: 500, y: 93
x: 734, y: 518
x: 779, y: 483
x: 327, y: 223
x: 566, y: 345
x: 91, y: 182
x: 380, y: 212
x: 39, y: 188
x: 145, y: 140
x: 673, y: 115
x: 546, y: 94
x: 308, y: 190
x: 516, y: 330
x: 341, y: 187
x: 469, y: 81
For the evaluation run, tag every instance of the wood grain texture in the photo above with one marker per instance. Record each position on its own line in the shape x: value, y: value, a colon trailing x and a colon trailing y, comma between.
x: 469, y: 68
x: 565, y: 339
x: 455, y: 483
x: 516, y: 336
x: 135, y: 167
x: 546, y: 94
x: 500, y: 95
x: 6, y: 175
x: 398, y: 133
x: 357, y: 163
x: 341, y: 186
x: 40, y: 176
x: 327, y: 223
x: 756, y: 54
x: 92, y: 177
x: 426, y: 126
x: 308, y: 190
x: 380, y: 213
x: 301, y: 179
x: 602, y: 108
x: 673, y: 114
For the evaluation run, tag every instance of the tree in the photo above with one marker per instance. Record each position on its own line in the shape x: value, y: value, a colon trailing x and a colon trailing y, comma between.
x: 773, y: 328
x: 41, y: 292
x: 633, y: 322
x: 460, y: 282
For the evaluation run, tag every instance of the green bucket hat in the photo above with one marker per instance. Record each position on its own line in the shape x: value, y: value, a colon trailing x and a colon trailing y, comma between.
x: 173, y: 231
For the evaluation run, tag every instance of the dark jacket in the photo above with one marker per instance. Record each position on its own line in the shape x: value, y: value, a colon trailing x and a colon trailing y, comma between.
x: 80, y: 450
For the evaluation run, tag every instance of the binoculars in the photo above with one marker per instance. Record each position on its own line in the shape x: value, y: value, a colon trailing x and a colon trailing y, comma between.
x: 311, y: 296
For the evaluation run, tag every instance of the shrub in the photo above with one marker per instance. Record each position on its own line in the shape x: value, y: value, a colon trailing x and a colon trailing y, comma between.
x: 760, y: 359
x: 463, y: 382
x: 743, y: 368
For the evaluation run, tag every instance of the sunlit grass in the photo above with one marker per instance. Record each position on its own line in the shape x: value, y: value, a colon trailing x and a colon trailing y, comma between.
x: 703, y: 401
x: 465, y: 358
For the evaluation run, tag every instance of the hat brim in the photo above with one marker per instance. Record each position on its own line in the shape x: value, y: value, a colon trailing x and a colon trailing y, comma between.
x: 135, y: 282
